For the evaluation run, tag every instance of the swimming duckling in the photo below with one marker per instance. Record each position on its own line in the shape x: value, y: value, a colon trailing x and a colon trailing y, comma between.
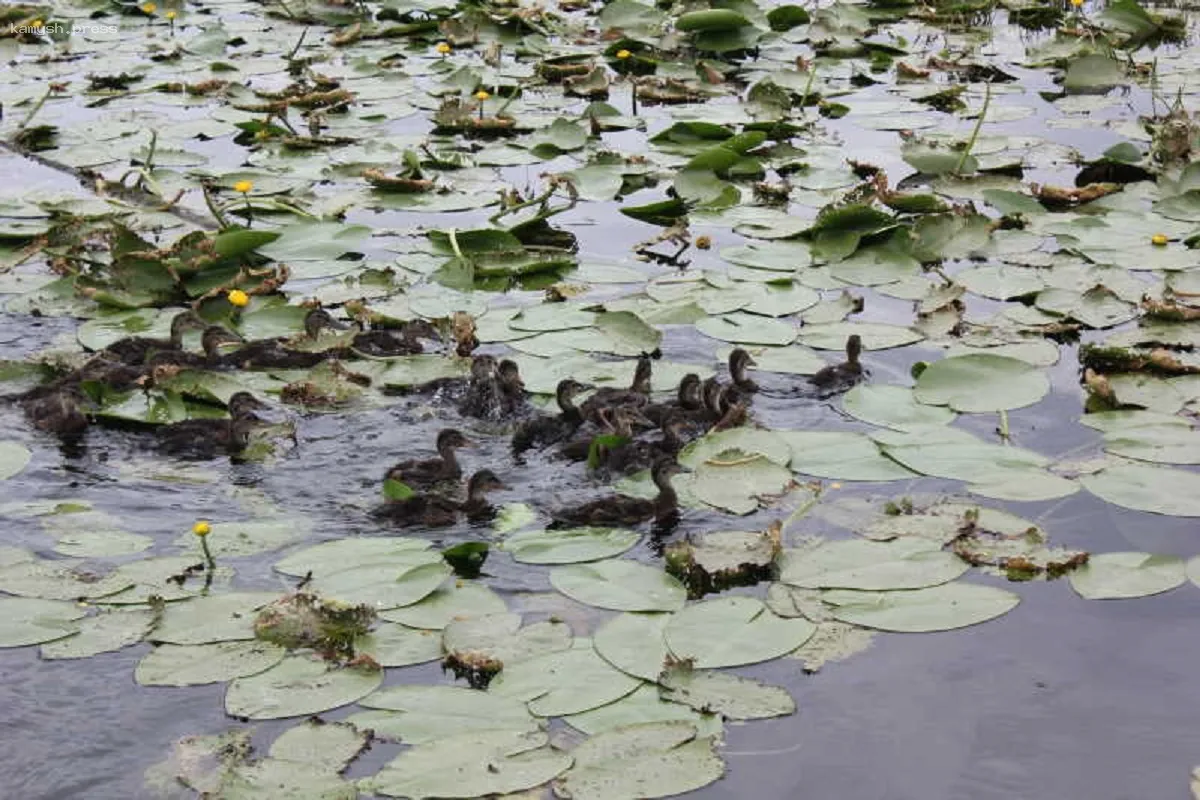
x: 208, y: 438
x: 546, y: 429
x: 731, y: 409
x: 642, y: 454
x: 482, y: 367
x: 134, y: 350
x: 637, y: 395
x: 482, y: 399
x: 686, y: 399
x: 425, y: 473
x: 739, y: 360
x: 58, y: 410
x: 837, y: 378
x: 512, y: 388
x: 211, y: 340
x: 384, y: 343
x: 613, y: 422
x: 438, y: 511
x: 623, y: 510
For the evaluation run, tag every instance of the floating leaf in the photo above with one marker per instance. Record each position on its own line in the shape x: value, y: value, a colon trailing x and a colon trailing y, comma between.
x: 498, y: 639
x: 343, y: 554
x: 191, y: 665
x: 13, y: 458
x: 570, y: 545
x: 620, y: 585
x: 730, y: 696
x: 215, y: 618
x: 419, y: 714
x: 981, y: 383
x: 893, y: 407
x: 452, y: 601
x: 321, y: 745
x: 731, y: 631
x: 841, y: 455
x: 1112, y: 576
x: 634, y: 644
x: 393, y: 645
x: 748, y: 329
x: 297, y: 686
x: 860, y: 564
x: 1159, y: 490
x: 564, y: 682
x: 102, y: 633
x: 25, y: 621
x: 938, y: 608
x: 641, y: 706
x: 653, y: 759
x: 384, y: 586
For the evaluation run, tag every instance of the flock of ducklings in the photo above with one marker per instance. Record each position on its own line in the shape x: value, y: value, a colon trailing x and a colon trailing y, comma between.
x: 617, y: 431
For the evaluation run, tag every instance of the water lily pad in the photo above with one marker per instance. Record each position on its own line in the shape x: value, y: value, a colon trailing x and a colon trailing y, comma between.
x: 1166, y: 444
x: 730, y: 696
x: 746, y: 440
x: 451, y: 601
x: 25, y: 621
x: 737, y: 482
x: 564, y: 682
x: 1111, y: 576
x: 653, y: 759
x: 13, y: 458
x: 384, y: 586
x: 874, y: 335
x: 1159, y: 490
x: 620, y: 585
x: 641, y: 706
x: 420, y: 714
x: 59, y: 580
x: 102, y: 633
x: 981, y: 383
x: 249, y: 537
x: 731, y: 631
x: 938, y: 608
x: 101, y: 544
x: 394, y: 645
x: 569, y: 546
x: 192, y: 665
x: 634, y: 644
x: 499, y: 639
x: 862, y: 564
x: 299, y: 685
x: 748, y: 329
x: 841, y: 455
x: 343, y: 554
x: 215, y: 618
x: 893, y: 407
x: 470, y: 765
x: 328, y: 746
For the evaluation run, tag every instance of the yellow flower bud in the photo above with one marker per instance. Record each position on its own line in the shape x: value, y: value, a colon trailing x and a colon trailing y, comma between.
x: 238, y: 298
x: 171, y: 15
x: 243, y: 186
x: 37, y: 23
x: 481, y: 95
x: 202, y: 528
x: 149, y: 8
x: 1077, y: 3
x: 443, y: 48
x: 623, y: 54
x: 1159, y: 239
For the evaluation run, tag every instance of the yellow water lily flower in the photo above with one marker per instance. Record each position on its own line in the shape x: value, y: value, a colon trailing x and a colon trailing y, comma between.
x: 238, y: 298
x: 243, y: 186
x: 148, y: 8
x: 444, y: 48
x: 481, y: 95
x: 623, y: 54
x: 171, y: 15
x: 1159, y: 239
x: 202, y: 528
x: 37, y: 23
x: 1077, y: 3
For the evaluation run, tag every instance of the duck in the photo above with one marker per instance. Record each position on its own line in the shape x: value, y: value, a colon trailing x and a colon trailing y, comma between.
x: 482, y: 398
x: 613, y: 422
x: 437, y: 511
x: 512, y: 388
x: 549, y: 429
x: 837, y: 378
x: 426, y: 473
x: 623, y: 510
x: 272, y: 354
x: 637, y: 395
x: 687, y: 398
x: 58, y: 410
x: 731, y: 409
x: 642, y: 454
x: 134, y: 350
x: 211, y: 341
x: 386, y: 343
x: 739, y: 360
x: 208, y: 438
x: 482, y: 368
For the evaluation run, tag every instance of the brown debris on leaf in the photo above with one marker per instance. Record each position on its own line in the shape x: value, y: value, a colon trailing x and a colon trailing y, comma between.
x: 1057, y: 197
x: 306, y: 620
x: 395, y: 183
x: 1100, y: 359
x: 722, y: 560
x: 1169, y: 311
x: 1022, y: 556
x: 462, y: 327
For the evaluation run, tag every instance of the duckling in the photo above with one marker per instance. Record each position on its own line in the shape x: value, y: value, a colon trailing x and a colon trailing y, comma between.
x: 134, y: 350
x: 837, y: 378
x: 425, y: 473
x: 58, y: 410
x: 211, y: 340
x: 642, y: 454
x: 384, y: 343
x: 272, y: 354
x: 686, y: 399
x: 731, y: 409
x: 208, y: 438
x: 623, y: 510
x: 739, y: 360
x: 613, y: 422
x: 482, y: 398
x: 482, y: 367
x: 438, y: 511
x: 512, y: 388
x: 637, y: 395
x: 546, y: 429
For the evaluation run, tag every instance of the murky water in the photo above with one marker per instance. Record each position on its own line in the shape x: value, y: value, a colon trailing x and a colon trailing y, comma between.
x: 1062, y: 698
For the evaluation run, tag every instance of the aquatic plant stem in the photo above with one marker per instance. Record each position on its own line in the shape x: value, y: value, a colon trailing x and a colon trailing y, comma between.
x: 210, y: 562
x: 1003, y: 429
x: 812, y: 76
x: 36, y: 108
x: 987, y: 101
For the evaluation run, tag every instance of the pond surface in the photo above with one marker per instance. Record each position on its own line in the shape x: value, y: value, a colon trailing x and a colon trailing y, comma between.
x: 1060, y: 697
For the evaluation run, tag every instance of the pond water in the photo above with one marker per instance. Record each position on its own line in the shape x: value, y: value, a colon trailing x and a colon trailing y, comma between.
x: 1061, y: 697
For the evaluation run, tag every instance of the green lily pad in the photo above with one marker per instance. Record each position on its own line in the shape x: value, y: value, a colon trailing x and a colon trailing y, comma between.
x: 384, y: 586
x: 215, y: 618
x: 840, y: 455
x: 862, y: 564
x: 730, y: 696
x: 641, y: 706
x: 25, y: 621
x: 893, y: 407
x: 569, y: 546
x: 748, y: 329
x: 875, y: 336
x: 981, y: 383
x: 938, y: 608
x: 1159, y: 490
x: 13, y: 458
x: 499, y: 639
x: 1111, y: 576
x: 620, y: 585
x: 417, y: 715
x: 731, y: 631
x: 297, y: 686
x: 394, y: 645
x: 341, y: 554
x: 564, y: 682
x: 653, y: 759
x: 634, y: 644
x: 102, y: 633
x: 449, y: 602
x: 328, y: 746
x: 196, y: 664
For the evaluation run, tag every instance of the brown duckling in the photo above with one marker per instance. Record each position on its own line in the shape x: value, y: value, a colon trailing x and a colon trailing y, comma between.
x: 512, y: 388
x: 426, y: 473
x: 549, y: 429
x: 642, y: 454
x: 211, y: 341
x: 739, y: 360
x: 837, y: 378
x: 482, y: 399
x: 58, y: 410
x: 622, y: 510
x: 438, y: 511
x: 686, y: 399
x: 637, y: 395
x: 209, y: 438
x: 134, y: 350
x: 482, y: 367
x: 613, y: 422
x: 384, y: 343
